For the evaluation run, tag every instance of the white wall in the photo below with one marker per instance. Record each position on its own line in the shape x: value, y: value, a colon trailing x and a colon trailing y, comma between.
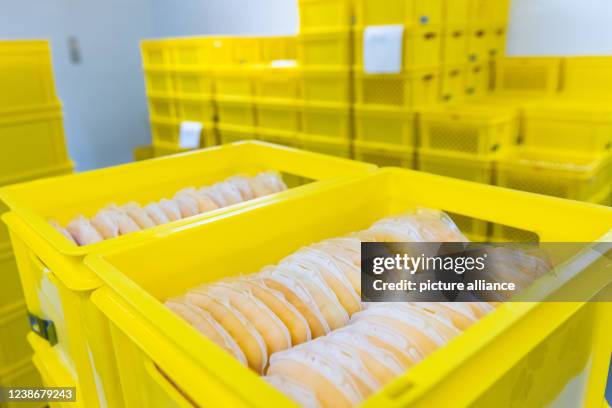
x: 560, y: 27
x: 192, y: 17
x: 103, y: 96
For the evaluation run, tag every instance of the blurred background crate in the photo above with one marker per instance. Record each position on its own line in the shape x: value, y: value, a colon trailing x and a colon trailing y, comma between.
x: 453, y: 83
x: 409, y: 13
x: 332, y: 121
x: 325, y: 48
x: 279, y: 115
x: 326, y: 145
x: 383, y: 125
x: 230, y: 134
x: 567, y: 174
x: 383, y: 154
x: 421, y: 47
x: 479, y: 131
x: 325, y: 14
x: 410, y: 90
x: 528, y: 76
x: 589, y: 77
x: 578, y: 126
x: 326, y: 85
x: 26, y: 75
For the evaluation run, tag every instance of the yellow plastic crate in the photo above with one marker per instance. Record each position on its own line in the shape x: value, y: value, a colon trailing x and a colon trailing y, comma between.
x: 482, y: 11
x: 326, y: 120
x: 196, y: 109
x: 421, y: 47
x: 190, y: 52
x: 475, y: 130
x: 498, y: 11
x: 409, y: 13
x: 165, y: 133
x: 325, y: 145
x: 162, y: 106
x: 517, y: 104
x: 231, y: 134
x: 26, y: 75
x: 236, y: 111
x: 384, y: 155
x: 193, y: 83
x: 325, y: 48
x: 455, y: 44
x: 52, y: 371
x: 278, y: 115
x: 50, y: 266
x: 587, y: 77
x: 277, y: 82
x: 561, y: 174
x: 456, y: 11
x: 246, y: 50
x: 578, y: 126
x: 325, y: 14
x: 326, y: 85
x: 31, y: 141
x: 21, y: 375
x: 235, y: 82
x: 290, y: 139
x: 156, y: 54
x: 456, y: 165
x: 10, y: 286
x: 159, y: 80
x: 469, y: 168
x: 414, y: 89
x: 14, y: 327
x: 390, y: 126
x: 147, y: 334
x: 478, y: 79
x: 497, y: 41
x: 527, y: 76
x: 454, y: 83
x: 278, y: 48
x: 478, y: 38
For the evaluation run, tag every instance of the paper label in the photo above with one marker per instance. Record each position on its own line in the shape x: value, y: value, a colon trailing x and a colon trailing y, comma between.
x: 383, y: 49
x: 189, y: 135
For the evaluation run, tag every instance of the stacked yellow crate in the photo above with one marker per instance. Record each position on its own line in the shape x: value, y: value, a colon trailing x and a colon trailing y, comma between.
x: 179, y: 86
x: 234, y: 79
x: 465, y: 141
x: 32, y: 145
x: 385, y: 102
x: 565, y: 151
x: 277, y: 91
x: 325, y: 56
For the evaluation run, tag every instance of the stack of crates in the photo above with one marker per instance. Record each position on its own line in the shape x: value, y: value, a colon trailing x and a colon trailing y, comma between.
x: 32, y: 145
x: 565, y: 151
x: 385, y: 103
x: 277, y: 92
x: 234, y: 82
x: 179, y: 87
x: 465, y: 141
x: 325, y: 56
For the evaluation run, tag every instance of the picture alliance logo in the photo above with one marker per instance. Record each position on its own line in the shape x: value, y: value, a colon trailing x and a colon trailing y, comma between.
x: 423, y: 263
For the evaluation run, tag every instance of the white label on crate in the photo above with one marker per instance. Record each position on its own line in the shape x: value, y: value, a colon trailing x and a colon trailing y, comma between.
x: 189, y: 135
x: 382, y: 49
x: 283, y: 64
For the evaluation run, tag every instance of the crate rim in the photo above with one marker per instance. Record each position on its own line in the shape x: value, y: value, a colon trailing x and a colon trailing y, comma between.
x: 20, y: 212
